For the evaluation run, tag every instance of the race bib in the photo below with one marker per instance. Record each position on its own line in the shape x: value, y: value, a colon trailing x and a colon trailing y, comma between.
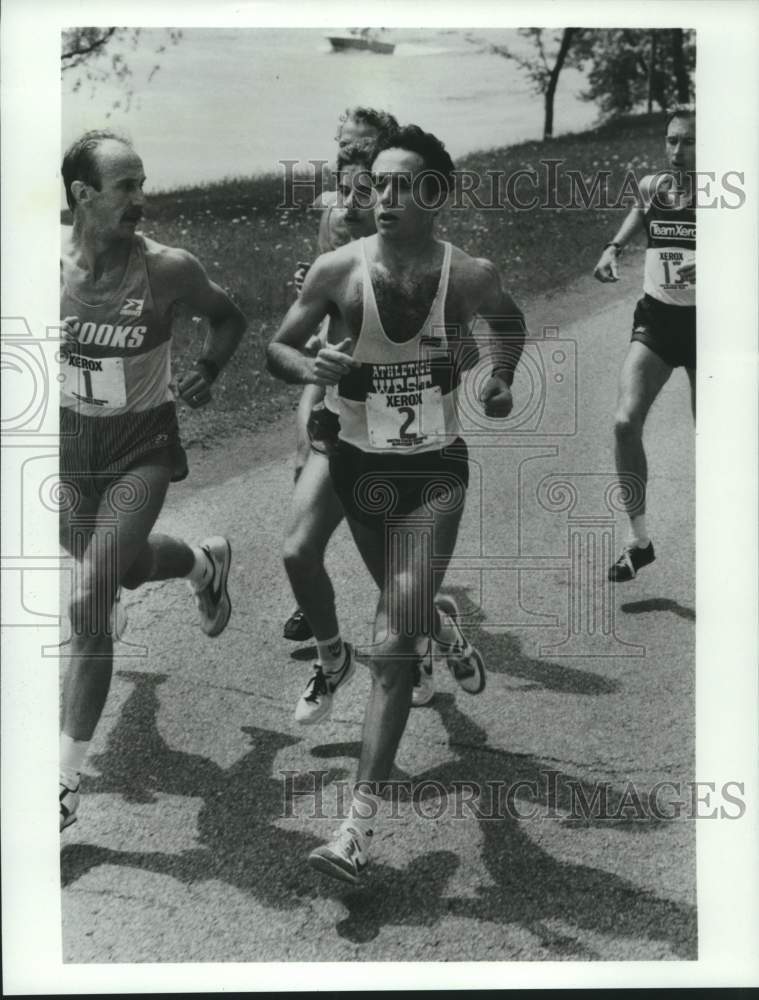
x: 405, y: 420
x: 663, y: 266
x: 95, y: 381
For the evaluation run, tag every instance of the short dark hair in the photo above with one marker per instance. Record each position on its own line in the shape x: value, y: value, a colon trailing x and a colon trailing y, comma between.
x: 382, y: 121
x: 681, y: 111
x: 80, y: 162
x: 435, y: 156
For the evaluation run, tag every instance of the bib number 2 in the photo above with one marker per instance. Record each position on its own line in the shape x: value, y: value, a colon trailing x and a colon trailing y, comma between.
x: 404, y: 426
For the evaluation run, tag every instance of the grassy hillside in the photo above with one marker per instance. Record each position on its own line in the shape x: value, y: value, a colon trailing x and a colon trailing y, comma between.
x: 250, y: 247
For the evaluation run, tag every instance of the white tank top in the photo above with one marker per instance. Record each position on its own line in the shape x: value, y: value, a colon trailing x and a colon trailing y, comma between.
x: 403, y: 397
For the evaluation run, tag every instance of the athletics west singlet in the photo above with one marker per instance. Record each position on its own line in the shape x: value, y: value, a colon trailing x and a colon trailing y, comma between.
x: 403, y: 398
x: 123, y: 359
x: 671, y: 234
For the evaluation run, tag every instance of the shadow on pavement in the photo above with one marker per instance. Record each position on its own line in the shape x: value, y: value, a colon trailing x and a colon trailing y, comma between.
x: 659, y: 604
x: 529, y: 887
x: 242, y: 840
x: 503, y: 654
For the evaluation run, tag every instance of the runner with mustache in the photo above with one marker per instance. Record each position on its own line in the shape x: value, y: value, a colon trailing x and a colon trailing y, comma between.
x: 120, y: 445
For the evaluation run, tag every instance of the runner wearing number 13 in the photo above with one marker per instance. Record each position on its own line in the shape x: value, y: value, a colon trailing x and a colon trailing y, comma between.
x: 119, y: 439
x: 405, y: 302
x: 664, y: 324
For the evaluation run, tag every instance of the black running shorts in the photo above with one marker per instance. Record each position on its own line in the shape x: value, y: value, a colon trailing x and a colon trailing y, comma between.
x: 323, y: 429
x: 669, y: 331
x: 374, y: 486
x: 96, y: 450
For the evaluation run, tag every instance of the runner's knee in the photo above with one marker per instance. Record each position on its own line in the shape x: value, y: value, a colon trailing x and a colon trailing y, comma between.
x: 409, y: 604
x: 90, y: 605
x: 392, y: 661
x: 300, y: 553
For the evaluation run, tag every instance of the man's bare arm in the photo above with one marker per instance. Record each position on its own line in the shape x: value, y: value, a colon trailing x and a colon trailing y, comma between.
x: 185, y: 277
x: 506, y: 320
x: 285, y: 355
x: 606, y: 268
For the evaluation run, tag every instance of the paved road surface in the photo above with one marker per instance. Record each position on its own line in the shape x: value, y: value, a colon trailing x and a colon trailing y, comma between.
x: 183, y: 851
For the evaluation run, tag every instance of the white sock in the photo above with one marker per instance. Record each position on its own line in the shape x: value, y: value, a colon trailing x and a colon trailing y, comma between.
x: 446, y: 635
x: 201, y: 573
x: 638, y: 533
x: 331, y: 653
x: 364, y: 811
x: 71, y: 755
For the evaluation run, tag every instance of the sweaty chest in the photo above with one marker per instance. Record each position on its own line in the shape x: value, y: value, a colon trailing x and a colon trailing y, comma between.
x: 404, y: 303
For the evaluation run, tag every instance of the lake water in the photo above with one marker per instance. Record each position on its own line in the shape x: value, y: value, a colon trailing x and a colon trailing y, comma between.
x: 232, y: 102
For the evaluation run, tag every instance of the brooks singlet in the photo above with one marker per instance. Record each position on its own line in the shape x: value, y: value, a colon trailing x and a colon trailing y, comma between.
x: 123, y: 359
x: 403, y: 397
x: 671, y: 235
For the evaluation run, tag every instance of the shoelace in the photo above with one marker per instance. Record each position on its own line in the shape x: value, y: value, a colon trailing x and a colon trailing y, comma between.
x: 318, y: 684
x: 348, y: 840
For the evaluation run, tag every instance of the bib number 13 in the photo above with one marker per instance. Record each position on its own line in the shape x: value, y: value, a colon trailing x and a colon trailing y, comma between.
x: 669, y: 277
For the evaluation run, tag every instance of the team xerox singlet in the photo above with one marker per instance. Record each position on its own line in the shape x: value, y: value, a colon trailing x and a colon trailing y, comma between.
x: 671, y: 234
x: 123, y: 360
x: 403, y: 397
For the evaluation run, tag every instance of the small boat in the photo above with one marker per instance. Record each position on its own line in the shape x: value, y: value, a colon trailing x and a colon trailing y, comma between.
x: 360, y: 40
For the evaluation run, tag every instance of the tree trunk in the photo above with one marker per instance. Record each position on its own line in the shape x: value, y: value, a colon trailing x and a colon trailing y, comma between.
x: 651, y: 64
x: 678, y: 64
x: 553, y: 80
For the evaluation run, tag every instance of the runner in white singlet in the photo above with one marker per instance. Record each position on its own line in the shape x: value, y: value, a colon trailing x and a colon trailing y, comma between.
x: 405, y: 464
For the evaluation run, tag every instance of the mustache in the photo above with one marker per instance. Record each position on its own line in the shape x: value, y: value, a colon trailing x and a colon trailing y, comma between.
x: 132, y: 216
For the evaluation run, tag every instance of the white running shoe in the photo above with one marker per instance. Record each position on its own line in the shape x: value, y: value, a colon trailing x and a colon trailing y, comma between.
x: 315, y: 703
x: 213, y: 600
x: 68, y: 799
x: 424, y: 684
x: 345, y: 856
x: 462, y: 659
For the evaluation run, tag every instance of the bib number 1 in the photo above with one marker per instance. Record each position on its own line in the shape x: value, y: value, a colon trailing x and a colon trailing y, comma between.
x: 97, y: 382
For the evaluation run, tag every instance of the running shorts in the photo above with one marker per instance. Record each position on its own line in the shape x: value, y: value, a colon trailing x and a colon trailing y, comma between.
x: 96, y: 450
x: 374, y: 486
x: 669, y: 331
x: 323, y: 428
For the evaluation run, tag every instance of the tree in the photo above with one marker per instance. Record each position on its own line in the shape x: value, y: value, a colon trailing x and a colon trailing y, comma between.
x: 96, y: 55
x: 630, y: 66
x: 545, y: 77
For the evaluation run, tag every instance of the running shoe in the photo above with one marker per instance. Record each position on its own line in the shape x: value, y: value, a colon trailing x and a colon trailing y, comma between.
x: 68, y: 799
x: 461, y: 658
x: 424, y: 684
x: 345, y: 857
x: 632, y: 559
x: 297, y: 628
x: 315, y: 704
x: 212, y: 600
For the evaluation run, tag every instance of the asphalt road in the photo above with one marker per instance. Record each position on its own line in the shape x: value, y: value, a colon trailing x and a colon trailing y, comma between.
x: 187, y: 848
